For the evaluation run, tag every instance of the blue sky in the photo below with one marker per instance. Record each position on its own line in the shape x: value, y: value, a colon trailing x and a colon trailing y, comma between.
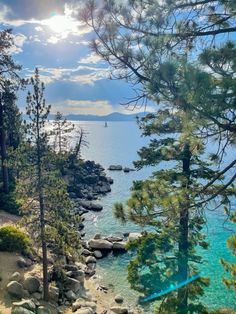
x: 48, y: 36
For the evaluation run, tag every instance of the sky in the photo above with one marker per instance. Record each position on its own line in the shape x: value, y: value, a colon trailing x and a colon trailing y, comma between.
x: 50, y: 37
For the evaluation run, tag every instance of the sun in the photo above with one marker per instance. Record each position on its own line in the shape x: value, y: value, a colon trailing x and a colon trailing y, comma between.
x: 61, y: 23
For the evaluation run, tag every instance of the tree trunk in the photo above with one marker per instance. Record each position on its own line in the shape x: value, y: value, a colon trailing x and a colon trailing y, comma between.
x: 183, y: 238
x: 44, y: 248
x: 5, y: 175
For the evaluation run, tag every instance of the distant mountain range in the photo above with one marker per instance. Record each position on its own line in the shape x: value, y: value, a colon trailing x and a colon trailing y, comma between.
x: 115, y: 116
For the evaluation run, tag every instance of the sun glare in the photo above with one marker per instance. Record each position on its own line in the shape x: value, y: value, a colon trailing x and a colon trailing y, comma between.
x: 61, y: 23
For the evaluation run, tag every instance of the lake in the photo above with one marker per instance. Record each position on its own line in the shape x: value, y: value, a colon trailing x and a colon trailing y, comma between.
x: 118, y: 144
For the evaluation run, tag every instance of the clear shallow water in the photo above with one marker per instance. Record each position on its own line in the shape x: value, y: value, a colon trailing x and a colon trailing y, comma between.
x: 118, y: 144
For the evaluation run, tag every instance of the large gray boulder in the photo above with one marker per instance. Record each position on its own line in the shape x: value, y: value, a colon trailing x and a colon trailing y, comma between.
x: 100, y: 244
x: 15, y: 289
x: 32, y: 284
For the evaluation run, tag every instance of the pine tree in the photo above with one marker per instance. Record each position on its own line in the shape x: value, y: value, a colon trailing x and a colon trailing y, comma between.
x: 47, y: 208
x: 8, y: 78
x: 61, y: 131
x: 168, y: 206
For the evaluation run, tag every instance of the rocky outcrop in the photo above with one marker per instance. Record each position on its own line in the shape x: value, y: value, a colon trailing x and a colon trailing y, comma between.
x: 87, y: 180
x: 115, y: 168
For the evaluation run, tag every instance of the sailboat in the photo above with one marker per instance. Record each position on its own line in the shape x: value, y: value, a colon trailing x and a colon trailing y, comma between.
x: 105, y: 125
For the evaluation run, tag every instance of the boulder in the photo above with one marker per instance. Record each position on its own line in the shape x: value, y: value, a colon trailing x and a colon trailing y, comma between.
x: 115, y: 167
x: 119, y: 299
x: 15, y: 289
x: 85, y: 311
x: 110, y: 180
x: 53, y: 293
x: 126, y: 169
x: 97, y: 236
x: 23, y: 262
x: 32, y: 284
x: 90, y: 259
x: 100, y: 244
x: 97, y: 254
x: 81, y: 303
x: 69, y: 267
x: 112, y: 238
x: 134, y: 236
x: 119, y: 246
x: 86, y: 252
x: 16, y: 277
x: 21, y: 310
x: 78, y: 274
x: 37, y: 296
x: 72, y: 284
x: 43, y: 310
x: 70, y: 295
x: 26, y: 304
x: 119, y: 309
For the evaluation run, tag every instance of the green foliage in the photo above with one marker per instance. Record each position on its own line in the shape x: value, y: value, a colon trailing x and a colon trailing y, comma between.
x: 14, y: 240
x: 10, y: 203
x: 230, y: 268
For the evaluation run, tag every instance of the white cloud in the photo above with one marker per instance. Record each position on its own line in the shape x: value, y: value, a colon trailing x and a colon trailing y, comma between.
x: 91, y: 58
x: 76, y: 106
x: 80, y: 74
x: 38, y: 28
x: 19, y: 40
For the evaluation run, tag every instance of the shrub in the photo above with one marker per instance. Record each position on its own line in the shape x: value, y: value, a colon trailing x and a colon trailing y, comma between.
x: 14, y: 240
x: 9, y: 203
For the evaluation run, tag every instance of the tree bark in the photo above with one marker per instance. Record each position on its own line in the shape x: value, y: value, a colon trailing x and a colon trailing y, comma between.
x: 183, y: 238
x: 5, y: 174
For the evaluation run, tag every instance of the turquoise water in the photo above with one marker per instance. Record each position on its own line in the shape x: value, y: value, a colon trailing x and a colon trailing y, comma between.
x: 118, y: 144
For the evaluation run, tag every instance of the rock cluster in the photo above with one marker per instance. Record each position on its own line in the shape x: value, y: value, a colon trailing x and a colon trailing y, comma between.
x: 87, y: 181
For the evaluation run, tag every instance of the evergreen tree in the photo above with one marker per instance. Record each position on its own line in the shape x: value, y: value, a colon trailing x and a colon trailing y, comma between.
x: 61, y: 131
x: 169, y: 207
x: 9, y: 83
x: 47, y: 208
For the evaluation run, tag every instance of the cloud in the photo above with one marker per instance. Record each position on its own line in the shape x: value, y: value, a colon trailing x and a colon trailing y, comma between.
x: 76, y: 106
x: 55, y: 17
x: 19, y: 40
x: 91, y: 58
x: 87, y: 75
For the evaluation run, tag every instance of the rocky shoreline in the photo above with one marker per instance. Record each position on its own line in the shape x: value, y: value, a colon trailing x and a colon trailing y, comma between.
x: 86, y: 184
